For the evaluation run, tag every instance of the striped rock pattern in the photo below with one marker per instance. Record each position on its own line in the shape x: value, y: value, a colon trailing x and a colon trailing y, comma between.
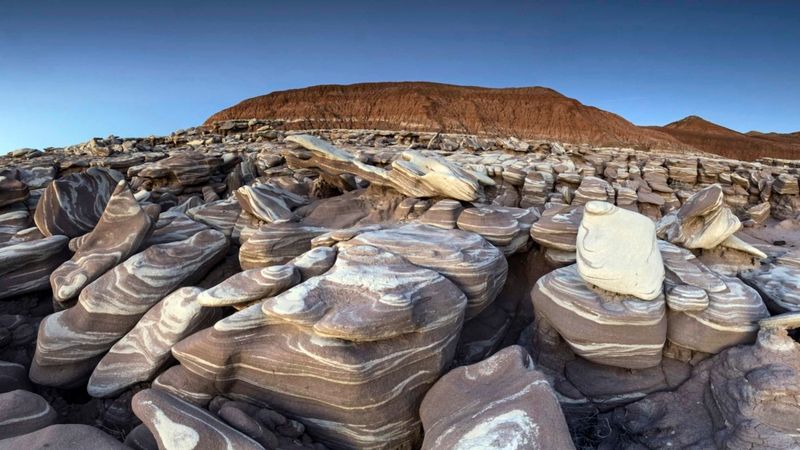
x: 119, y: 233
x: 71, y: 341
x: 602, y: 327
x: 178, y: 425
x: 443, y: 214
x: 466, y: 259
x: 72, y: 205
x: 173, y: 226
x: 626, y: 263
x: 23, y: 412
x: 220, y: 214
x: 26, y: 266
x: 269, y: 203
x: 500, y: 402
x: 682, y: 267
x: 314, y: 262
x: 250, y: 285
x: 412, y: 174
x: 277, y: 243
x: 778, y: 282
x: 731, y: 319
x: 181, y: 169
x: 686, y: 298
x: 367, y: 339
x: 139, y: 355
x: 558, y: 227
x: 504, y: 227
x: 12, y: 190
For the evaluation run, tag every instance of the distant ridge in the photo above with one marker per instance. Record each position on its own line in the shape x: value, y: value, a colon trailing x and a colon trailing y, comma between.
x: 527, y: 112
x: 710, y: 137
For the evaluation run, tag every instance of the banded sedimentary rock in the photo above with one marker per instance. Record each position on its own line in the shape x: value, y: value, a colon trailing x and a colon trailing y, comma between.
x: 740, y: 399
x: 682, y: 267
x: 25, y: 266
x: 626, y: 263
x: 269, y: 203
x: 139, y: 355
x: 778, y: 282
x: 173, y: 226
x: 731, y: 318
x: 369, y: 337
x: 443, y: 214
x: 466, y: 259
x: 179, y: 170
x: 501, y: 402
x: 72, y: 205
x: 412, y: 174
x: 220, y: 214
x: 23, y: 412
x: 12, y: 190
x: 277, y: 243
x: 120, y: 231
x: 70, y: 342
x: 504, y: 227
x: 314, y: 262
x: 250, y: 285
x: 600, y: 326
x: 558, y: 227
x: 176, y: 424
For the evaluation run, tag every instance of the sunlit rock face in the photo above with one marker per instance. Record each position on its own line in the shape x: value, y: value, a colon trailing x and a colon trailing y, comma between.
x: 368, y: 337
x: 624, y: 262
x: 500, y: 402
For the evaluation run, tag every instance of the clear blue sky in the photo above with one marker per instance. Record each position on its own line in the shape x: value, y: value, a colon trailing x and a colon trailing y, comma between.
x: 70, y: 70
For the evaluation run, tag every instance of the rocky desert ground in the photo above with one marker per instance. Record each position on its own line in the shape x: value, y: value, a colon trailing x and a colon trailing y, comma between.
x: 252, y: 284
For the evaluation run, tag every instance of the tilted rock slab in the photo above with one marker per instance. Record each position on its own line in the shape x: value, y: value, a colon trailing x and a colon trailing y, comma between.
x: 26, y: 266
x: 71, y: 341
x: 505, y: 227
x: 602, y: 327
x: 269, y: 203
x: 67, y: 436
x: 139, y: 355
x: 121, y: 230
x: 72, y: 205
x: 466, y: 259
x: 349, y: 353
x: 277, y: 243
x: 412, y: 174
x: 702, y: 222
x: 500, y: 402
x: 617, y: 251
x: 178, y: 425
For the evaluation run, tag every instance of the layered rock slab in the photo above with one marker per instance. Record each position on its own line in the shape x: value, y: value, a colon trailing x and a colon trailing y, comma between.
x: 71, y: 341
x: 500, y: 402
x: 26, y: 266
x: 367, y: 338
x: 470, y: 262
x: 178, y: 425
x: 601, y: 326
x: 141, y: 353
x: 120, y: 231
x: 72, y: 205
